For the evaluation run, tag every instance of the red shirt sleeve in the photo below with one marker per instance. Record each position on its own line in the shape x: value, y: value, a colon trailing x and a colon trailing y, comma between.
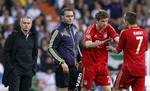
x: 87, y: 34
x: 121, y: 41
x: 112, y: 32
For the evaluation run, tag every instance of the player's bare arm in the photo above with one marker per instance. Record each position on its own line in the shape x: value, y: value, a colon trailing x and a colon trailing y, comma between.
x: 96, y: 43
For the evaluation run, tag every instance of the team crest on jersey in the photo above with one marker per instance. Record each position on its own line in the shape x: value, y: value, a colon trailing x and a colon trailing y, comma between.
x: 105, y: 35
x: 88, y: 36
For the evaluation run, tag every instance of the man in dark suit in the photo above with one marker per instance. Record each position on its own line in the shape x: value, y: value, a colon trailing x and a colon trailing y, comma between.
x: 20, y: 55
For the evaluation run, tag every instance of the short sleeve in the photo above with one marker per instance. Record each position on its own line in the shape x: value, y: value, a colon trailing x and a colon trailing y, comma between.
x: 112, y: 32
x: 87, y: 36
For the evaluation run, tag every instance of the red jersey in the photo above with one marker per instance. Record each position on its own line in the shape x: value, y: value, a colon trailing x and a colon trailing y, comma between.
x: 99, y: 54
x: 134, y: 43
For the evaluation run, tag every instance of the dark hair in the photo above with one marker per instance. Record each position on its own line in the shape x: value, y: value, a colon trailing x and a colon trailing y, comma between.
x: 130, y: 17
x: 66, y: 9
x: 102, y: 14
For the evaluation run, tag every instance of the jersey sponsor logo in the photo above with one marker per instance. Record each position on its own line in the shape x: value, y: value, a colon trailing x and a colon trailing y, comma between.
x: 88, y: 36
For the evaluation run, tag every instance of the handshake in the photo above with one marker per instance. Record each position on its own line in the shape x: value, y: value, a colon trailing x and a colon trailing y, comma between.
x: 105, y: 42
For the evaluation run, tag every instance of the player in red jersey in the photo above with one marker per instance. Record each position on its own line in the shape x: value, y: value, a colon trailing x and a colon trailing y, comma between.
x: 134, y: 42
x: 95, y: 54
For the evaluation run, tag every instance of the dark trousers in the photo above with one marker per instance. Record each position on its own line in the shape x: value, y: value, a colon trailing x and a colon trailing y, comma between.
x: 66, y: 80
x: 20, y: 80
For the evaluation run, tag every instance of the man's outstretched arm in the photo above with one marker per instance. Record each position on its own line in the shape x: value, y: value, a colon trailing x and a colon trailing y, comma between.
x: 96, y: 43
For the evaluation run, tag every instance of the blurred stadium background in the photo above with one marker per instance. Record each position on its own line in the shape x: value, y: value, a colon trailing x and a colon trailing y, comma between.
x: 45, y: 14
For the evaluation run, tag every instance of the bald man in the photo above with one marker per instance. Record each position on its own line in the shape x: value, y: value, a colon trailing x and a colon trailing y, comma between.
x: 20, y: 54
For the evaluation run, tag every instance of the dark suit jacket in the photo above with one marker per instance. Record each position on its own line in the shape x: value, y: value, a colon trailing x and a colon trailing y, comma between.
x: 11, y: 57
